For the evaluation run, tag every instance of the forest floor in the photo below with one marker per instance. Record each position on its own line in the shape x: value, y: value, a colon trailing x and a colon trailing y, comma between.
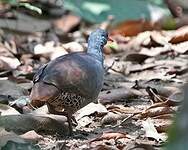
x: 142, y: 89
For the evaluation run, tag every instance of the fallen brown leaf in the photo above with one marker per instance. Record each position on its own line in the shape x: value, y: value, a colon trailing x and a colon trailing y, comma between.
x: 122, y: 109
x: 133, y: 27
x: 180, y: 35
x: 110, y: 135
x: 156, y: 112
x: 165, y: 116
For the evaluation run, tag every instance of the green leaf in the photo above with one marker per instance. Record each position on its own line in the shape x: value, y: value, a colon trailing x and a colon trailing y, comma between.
x: 31, y: 7
x: 26, y: 5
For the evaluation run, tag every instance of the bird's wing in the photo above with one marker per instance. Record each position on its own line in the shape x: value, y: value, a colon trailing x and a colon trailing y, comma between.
x: 78, y: 73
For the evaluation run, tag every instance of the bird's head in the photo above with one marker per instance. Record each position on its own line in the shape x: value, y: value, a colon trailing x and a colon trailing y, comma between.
x: 96, y: 41
x: 98, y: 37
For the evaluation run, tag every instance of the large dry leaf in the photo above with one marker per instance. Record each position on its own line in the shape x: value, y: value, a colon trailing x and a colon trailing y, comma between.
x: 155, y: 51
x: 90, y: 109
x: 31, y: 136
x: 9, y: 136
x: 151, y: 131
x: 180, y: 48
x: 84, y: 121
x: 156, y: 39
x: 116, y: 95
x: 133, y: 27
x: 138, y: 67
x: 7, y: 110
x: 180, y: 35
x: 135, y: 57
x: 156, y: 111
x: 7, y: 59
x: 150, y: 75
x: 40, y: 123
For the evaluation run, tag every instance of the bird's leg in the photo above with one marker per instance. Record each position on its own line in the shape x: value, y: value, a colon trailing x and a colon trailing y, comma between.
x: 70, y: 123
x: 69, y: 116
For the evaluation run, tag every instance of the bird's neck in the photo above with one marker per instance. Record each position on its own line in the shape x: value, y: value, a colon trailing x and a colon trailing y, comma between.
x: 96, y: 50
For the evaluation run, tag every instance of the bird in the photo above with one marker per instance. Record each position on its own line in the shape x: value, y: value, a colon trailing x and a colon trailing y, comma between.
x: 70, y: 82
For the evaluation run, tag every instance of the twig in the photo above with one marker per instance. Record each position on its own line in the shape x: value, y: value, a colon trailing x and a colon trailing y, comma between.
x: 125, y: 119
x: 110, y: 67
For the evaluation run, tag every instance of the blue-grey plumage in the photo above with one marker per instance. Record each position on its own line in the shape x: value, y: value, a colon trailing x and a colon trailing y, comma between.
x: 63, y: 81
x: 96, y: 42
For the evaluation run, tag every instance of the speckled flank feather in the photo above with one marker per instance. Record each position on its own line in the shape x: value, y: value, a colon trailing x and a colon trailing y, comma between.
x: 67, y: 100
